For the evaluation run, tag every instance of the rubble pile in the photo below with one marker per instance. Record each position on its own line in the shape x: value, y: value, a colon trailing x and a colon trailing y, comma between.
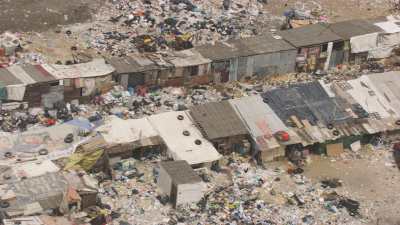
x: 253, y: 197
x: 146, y: 102
x: 123, y: 26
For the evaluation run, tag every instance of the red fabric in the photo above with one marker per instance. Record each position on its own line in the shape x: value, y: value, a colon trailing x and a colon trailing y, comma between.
x: 283, y: 136
x: 50, y: 122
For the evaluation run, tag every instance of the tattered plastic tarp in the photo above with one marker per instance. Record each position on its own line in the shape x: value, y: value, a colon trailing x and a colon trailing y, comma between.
x: 84, y: 161
x: 27, y: 145
x: 364, y: 43
x: 119, y: 131
x: 307, y: 101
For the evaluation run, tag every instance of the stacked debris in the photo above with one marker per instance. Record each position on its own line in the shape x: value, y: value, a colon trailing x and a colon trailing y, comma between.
x: 149, y: 26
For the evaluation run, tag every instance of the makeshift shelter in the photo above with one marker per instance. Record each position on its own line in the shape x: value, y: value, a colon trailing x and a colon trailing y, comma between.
x: 315, y: 44
x: 308, y: 108
x: 183, y: 140
x: 123, y: 137
x: 388, y: 84
x: 26, y: 83
x: 83, y: 79
x: 349, y: 31
x: 264, y: 126
x: 220, y: 124
x: 380, y: 114
x: 46, y: 143
x: 191, y: 66
x: 261, y: 55
x: 180, y: 182
x: 134, y: 70
x: 307, y: 101
x: 34, y: 195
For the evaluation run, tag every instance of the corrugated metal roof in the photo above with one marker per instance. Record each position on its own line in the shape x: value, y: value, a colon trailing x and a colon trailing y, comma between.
x: 365, y: 93
x: 181, y: 172
x: 388, y: 84
x: 261, y: 120
x: 188, y: 57
x: 309, y: 35
x: 48, y: 190
x: 259, y: 117
x: 217, y: 120
x: 37, y: 73
x: 352, y: 28
x: 132, y: 64
x: 7, y: 78
x: 257, y: 45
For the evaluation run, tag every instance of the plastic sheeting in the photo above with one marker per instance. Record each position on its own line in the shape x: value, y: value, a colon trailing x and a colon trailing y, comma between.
x: 84, y: 161
x: 307, y: 101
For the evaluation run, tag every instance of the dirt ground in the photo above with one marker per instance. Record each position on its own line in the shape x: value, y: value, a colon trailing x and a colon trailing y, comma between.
x: 336, y: 10
x: 368, y: 179
x: 40, y: 15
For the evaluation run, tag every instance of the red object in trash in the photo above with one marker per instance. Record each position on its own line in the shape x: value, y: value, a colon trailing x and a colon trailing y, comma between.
x: 50, y: 122
x: 282, y: 136
x: 396, y: 146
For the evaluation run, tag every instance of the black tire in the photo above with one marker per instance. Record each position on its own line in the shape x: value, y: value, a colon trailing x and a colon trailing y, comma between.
x: 336, y: 133
x: 43, y: 152
x: 397, y: 122
x: 8, y: 154
x: 4, y: 204
x: 186, y: 133
x: 180, y: 117
x: 197, y: 142
x: 330, y: 126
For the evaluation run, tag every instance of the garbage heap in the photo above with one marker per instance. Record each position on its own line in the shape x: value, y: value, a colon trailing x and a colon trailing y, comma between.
x: 124, y: 26
x: 268, y: 196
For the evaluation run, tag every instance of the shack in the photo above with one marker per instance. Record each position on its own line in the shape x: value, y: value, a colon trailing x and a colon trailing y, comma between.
x: 83, y: 80
x: 381, y: 114
x: 258, y: 56
x: 29, y: 83
x: 182, y: 139
x: 134, y: 70
x: 350, y: 31
x: 265, y: 128
x: 220, y: 124
x: 127, y: 138
x: 51, y: 191
x: 388, y: 84
x: 180, y: 182
x: 309, y: 109
x: 191, y: 66
x: 315, y: 44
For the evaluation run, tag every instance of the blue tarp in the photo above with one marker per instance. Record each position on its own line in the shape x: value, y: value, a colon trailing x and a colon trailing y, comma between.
x: 81, y: 123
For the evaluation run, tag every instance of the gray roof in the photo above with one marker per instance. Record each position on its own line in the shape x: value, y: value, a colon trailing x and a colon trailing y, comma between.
x: 257, y: 45
x: 181, y: 172
x: 217, y: 120
x: 352, y: 28
x: 309, y: 35
x: 37, y: 73
x: 47, y: 190
x: 132, y: 64
x: 7, y: 78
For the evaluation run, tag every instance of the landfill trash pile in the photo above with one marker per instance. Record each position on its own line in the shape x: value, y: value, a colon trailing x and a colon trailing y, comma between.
x: 239, y: 193
x: 123, y: 26
x: 256, y: 196
x: 144, y: 102
x: 131, y: 197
